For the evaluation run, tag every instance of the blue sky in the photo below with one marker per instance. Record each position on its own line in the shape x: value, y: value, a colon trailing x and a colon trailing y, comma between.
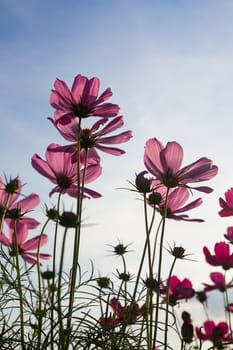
x: 169, y: 64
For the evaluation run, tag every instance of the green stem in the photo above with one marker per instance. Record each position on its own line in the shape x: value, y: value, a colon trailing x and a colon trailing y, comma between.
x: 80, y: 191
x: 227, y: 303
x: 148, y: 231
x: 167, y: 303
x: 59, y: 288
x: 160, y: 267
x: 54, y: 275
x: 39, y: 307
x: 19, y: 289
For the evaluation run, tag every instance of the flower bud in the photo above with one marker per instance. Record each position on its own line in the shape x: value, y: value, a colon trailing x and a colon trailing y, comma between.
x: 68, y: 219
x: 187, y: 332
x: 12, y: 186
x: 201, y: 296
x: 103, y: 282
x: 47, y: 275
x: 120, y: 249
x: 178, y: 252
x: 155, y: 198
x: 142, y: 183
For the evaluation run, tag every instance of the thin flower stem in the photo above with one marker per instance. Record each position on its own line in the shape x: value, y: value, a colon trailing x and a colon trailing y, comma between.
x: 80, y: 190
x: 177, y: 325
x: 19, y: 289
x: 39, y: 307
x: 54, y: 274
x: 155, y: 241
x: 167, y: 302
x: 150, y: 293
x: 3, y: 214
x: 148, y: 230
x: 227, y: 303
x: 59, y: 288
x: 160, y: 269
x: 123, y: 282
x: 148, y: 239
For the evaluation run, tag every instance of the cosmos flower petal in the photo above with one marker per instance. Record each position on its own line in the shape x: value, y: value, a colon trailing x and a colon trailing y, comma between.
x: 5, y: 240
x: 42, y: 167
x: 113, y: 125
x: 111, y: 150
x: 152, y: 160
x: 29, y: 202
x: 33, y: 243
x: 171, y: 157
x: 78, y: 87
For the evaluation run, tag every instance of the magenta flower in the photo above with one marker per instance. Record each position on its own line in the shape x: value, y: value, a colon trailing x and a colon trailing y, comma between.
x: 128, y: 313
x: 222, y: 256
x: 175, y: 203
x: 62, y: 171
x: 219, y: 283
x: 229, y: 234
x: 227, y: 204
x: 25, y: 247
x: 16, y: 209
x: 217, y: 333
x: 82, y: 100
x: 178, y: 289
x: 165, y: 164
x: 121, y: 314
x: 92, y: 137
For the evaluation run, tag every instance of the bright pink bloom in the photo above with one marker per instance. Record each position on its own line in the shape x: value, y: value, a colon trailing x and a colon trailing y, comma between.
x: 25, y: 247
x: 178, y: 289
x: 92, y: 137
x: 82, y: 100
x: 227, y: 204
x: 176, y: 203
x: 229, y: 234
x: 165, y: 162
x: 219, y: 282
x: 217, y: 333
x: 62, y: 171
x: 16, y: 209
x: 222, y: 256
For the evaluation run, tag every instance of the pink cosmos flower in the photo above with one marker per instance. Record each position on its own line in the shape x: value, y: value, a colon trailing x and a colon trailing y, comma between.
x: 122, y: 314
x: 227, y: 204
x: 178, y: 289
x: 82, y: 100
x: 219, y: 282
x: 176, y: 203
x: 62, y: 171
x: 16, y: 209
x: 165, y: 164
x: 222, y: 256
x: 92, y: 137
x: 229, y: 234
x: 217, y: 333
x: 127, y: 314
x: 26, y: 247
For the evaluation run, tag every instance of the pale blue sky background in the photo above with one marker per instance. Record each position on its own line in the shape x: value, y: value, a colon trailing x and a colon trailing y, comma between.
x: 169, y: 64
